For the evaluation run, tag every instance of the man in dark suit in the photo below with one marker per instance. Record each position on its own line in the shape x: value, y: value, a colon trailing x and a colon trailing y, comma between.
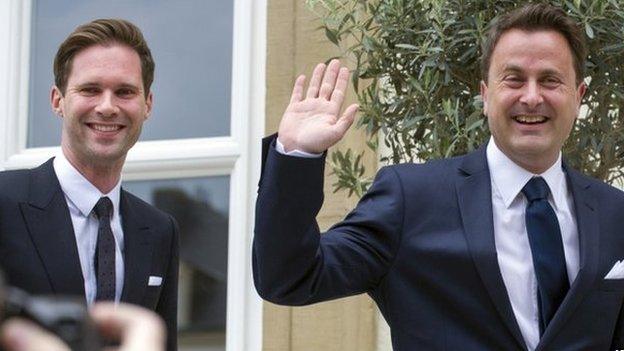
x: 505, y: 248
x: 67, y: 227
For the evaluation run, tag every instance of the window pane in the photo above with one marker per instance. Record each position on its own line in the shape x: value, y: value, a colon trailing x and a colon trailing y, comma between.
x: 191, y: 41
x: 201, y: 207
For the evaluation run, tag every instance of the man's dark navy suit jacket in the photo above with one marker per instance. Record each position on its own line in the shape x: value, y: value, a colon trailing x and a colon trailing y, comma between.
x: 38, y: 251
x: 421, y: 244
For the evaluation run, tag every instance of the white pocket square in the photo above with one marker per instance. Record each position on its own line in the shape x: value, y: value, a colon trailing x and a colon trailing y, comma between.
x: 154, y: 280
x: 617, y: 271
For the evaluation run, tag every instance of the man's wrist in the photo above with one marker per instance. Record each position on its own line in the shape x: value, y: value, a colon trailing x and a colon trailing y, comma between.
x: 297, y: 153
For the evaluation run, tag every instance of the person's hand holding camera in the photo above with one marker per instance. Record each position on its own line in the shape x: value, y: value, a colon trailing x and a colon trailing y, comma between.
x: 136, y: 329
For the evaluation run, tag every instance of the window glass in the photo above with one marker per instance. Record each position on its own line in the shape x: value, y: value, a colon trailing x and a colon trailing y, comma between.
x: 191, y: 41
x: 201, y: 208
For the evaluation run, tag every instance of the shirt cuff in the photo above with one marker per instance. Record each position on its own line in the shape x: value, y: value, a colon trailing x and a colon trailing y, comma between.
x: 297, y: 153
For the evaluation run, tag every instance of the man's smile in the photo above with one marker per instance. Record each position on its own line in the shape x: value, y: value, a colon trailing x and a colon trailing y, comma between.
x: 106, y: 128
x: 530, y: 119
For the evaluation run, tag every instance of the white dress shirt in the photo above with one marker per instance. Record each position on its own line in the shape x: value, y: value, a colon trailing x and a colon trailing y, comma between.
x: 81, y: 197
x: 510, y: 235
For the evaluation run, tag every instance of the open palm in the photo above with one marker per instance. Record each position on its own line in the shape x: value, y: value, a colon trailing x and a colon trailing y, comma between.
x: 312, y: 123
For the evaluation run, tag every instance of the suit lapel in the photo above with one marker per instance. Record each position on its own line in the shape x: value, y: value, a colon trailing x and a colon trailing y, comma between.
x: 475, y: 203
x: 589, y: 233
x: 137, y: 251
x: 51, y: 230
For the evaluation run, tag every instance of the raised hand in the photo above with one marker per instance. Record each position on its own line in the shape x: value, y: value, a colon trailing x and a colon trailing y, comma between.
x: 311, y: 124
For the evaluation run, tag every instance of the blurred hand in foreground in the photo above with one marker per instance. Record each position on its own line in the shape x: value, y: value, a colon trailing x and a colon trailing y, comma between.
x: 136, y: 329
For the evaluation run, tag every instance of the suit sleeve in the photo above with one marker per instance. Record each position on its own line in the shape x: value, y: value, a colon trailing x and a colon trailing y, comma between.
x: 293, y: 263
x: 167, y: 306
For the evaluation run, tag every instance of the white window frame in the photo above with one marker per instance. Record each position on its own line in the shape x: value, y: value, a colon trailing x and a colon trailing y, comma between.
x: 237, y: 155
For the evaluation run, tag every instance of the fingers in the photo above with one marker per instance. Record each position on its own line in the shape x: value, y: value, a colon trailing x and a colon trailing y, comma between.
x: 329, y: 79
x: 297, y: 93
x: 315, y: 81
x: 346, y: 120
x: 21, y: 335
x: 342, y: 81
x: 327, y: 82
x: 137, y: 328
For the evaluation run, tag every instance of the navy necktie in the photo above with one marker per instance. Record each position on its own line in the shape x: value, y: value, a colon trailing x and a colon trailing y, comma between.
x: 105, y: 252
x: 547, y: 250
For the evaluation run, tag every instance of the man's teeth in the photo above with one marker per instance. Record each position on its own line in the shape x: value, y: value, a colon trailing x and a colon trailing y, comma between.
x: 530, y: 119
x: 105, y: 128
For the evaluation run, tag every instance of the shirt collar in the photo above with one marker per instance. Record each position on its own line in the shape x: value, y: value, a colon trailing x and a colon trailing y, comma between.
x: 509, y: 178
x: 79, y: 190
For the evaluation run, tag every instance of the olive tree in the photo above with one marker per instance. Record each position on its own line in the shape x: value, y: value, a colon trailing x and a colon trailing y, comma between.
x: 416, y: 72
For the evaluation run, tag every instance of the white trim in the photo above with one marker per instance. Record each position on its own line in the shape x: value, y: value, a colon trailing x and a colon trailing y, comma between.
x: 221, y: 152
x: 244, y: 310
x: 24, y: 82
x: 14, y: 63
x: 6, y: 35
x: 257, y: 119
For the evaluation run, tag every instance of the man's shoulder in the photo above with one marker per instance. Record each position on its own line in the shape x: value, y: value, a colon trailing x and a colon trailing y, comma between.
x: 431, y: 170
x: 145, y: 209
x: 13, y: 177
x: 419, y: 180
x: 16, y: 183
x: 603, y: 191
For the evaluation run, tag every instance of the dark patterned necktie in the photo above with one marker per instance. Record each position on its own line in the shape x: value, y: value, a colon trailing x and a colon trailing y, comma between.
x: 547, y: 250
x: 105, y: 252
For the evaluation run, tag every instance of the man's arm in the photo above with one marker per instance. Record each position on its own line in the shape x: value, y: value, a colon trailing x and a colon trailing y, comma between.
x: 167, y: 306
x: 293, y: 264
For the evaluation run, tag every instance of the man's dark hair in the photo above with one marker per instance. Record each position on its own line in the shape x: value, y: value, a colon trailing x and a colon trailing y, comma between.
x: 537, y: 17
x: 103, y: 32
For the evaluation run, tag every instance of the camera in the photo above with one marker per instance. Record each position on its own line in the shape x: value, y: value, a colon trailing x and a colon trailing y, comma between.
x: 65, y: 317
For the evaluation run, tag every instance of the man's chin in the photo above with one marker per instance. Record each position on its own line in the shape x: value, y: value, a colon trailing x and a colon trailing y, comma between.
x: 106, y: 157
x: 534, y: 155
x: 531, y: 145
x: 530, y: 150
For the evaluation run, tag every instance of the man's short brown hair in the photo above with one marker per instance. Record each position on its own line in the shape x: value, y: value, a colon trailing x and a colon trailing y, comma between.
x: 103, y: 32
x: 536, y: 17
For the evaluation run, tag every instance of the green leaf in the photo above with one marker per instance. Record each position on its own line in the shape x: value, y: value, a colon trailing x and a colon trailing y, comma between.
x: 331, y: 35
x: 368, y: 43
x: 407, y: 46
x: 577, y: 4
x: 475, y: 124
x: 589, y: 31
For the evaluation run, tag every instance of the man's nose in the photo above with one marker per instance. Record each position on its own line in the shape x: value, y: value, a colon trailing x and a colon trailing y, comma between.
x: 107, y: 106
x: 532, y: 94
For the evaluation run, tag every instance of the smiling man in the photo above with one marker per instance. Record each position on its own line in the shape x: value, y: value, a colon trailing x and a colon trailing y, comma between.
x: 505, y: 248
x: 67, y: 227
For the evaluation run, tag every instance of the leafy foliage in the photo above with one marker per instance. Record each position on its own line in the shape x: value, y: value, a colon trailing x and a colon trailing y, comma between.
x: 416, y: 75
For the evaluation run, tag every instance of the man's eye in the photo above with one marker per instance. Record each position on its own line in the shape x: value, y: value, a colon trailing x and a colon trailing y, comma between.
x: 89, y: 90
x: 514, y: 81
x: 551, y: 82
x: 125, y: 92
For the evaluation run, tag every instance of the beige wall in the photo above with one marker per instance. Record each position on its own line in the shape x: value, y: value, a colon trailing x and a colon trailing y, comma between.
x: 295, y: 46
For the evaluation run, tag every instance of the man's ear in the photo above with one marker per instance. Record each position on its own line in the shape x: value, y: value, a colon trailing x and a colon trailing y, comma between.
x: 580, y: 92
x: 148, y: 103
x: 484, y: 88
x: 56, y: 101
